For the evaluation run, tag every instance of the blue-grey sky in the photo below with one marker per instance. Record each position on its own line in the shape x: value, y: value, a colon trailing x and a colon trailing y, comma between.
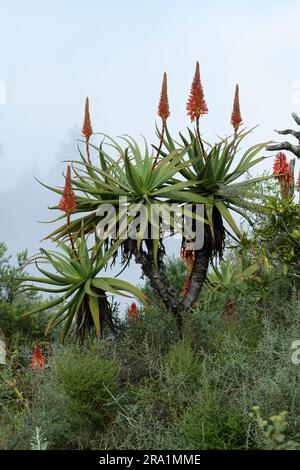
x: 54, y: 53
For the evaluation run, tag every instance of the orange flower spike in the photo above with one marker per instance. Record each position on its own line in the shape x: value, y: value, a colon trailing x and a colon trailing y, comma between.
x: 87, y: 130
x: 298, y: 182
x: 196, y: 105
x: 281, y: 169
x: 164, y: 112
x: 68, y: 202
x: 133, y: 311
x: 236, y: 118
x: 163, y: 107
x: 38, y: 359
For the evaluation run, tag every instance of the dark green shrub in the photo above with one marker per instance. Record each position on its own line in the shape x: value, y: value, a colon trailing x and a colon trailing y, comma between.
x: 210, y: 425
x: 90, y: 383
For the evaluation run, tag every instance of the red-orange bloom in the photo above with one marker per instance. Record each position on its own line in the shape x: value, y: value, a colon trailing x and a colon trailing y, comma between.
x: 236, y: 118
x: 133, y: 311
x: 196, y: 105
x: 189, y: 257
x: 38, y: 359
x: 298, y: 182
x: 87, y: 130
x: 281, y: 169
x: 67, y: 202
x: 186, y: 286
x: 163, y: 106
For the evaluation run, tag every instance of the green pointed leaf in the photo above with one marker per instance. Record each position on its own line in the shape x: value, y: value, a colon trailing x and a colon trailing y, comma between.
x: 228, y: 217
x: 94, y: 308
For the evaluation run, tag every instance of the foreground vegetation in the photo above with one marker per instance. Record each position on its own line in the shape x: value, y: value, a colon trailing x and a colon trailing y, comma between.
x: 149, y: 389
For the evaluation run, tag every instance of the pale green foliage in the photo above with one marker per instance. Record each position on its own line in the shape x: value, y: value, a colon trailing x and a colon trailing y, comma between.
x: 273, y: 430
x: 38, y: 441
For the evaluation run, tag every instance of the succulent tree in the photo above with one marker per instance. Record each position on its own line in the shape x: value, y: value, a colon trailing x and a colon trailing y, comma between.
x: 132, y: 179
x: 215, y: 178
x: 212, y: 175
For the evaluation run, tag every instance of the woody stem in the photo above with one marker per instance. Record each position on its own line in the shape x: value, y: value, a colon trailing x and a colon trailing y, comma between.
x: 70, y: 233
x: 160, y: 142
x: 234, y: 145
x: 88, y: 151
x: 199, y: 137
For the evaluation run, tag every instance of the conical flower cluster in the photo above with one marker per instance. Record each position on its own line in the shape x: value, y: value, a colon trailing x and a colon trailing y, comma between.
x: 298, y: 182
x: 68, y: 202
x: 87, y: 130
x: 38, y: 359
x: 236, y: 118
x: 133, y: 311
x: 281, y: 169
x: 163, y: 106
x: 196, y: 105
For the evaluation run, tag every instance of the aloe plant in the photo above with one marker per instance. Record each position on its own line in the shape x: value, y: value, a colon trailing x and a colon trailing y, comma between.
x: 230, y: 271
x: 81, y: 295
x: 182, y: 173
x: 133, y: 174
x: 212, y: 176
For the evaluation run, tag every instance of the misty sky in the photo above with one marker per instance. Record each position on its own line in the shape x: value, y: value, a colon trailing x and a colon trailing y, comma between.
x: 54, y: 53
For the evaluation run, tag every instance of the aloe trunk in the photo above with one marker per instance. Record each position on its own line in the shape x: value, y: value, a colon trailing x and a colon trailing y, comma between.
x: 161, y: 285
x: 198, y: 275
x: 213, y: 245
